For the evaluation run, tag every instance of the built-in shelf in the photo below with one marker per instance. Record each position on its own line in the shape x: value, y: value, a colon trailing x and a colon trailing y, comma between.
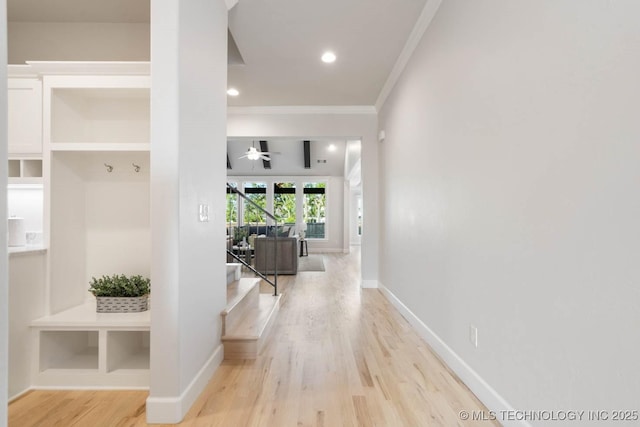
x: 85, y: 316
x: 96, y: 144
x: 80, y: 347
x: 99, y: 115
x: 68, y: 350
x: 25, y: 171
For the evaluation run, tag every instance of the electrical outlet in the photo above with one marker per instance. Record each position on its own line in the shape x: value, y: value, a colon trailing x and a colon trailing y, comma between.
x: 473, y: 335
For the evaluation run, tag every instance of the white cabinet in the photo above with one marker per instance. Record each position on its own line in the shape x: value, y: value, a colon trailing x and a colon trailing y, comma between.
x: 96, y: 141
x: 24, y: 115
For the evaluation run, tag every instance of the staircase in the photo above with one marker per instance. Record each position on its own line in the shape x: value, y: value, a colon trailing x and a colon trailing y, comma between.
x: 250, y: 313
x: 248, y: 317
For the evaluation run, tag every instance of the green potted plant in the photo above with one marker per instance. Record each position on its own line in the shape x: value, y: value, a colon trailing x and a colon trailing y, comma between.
x: 121, y: 294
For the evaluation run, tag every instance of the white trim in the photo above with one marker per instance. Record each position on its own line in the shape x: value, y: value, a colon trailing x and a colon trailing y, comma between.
x: 100, y: 68
x: 424, y: 20
x: 304, y: 109
x: 483, y: 391
x: 370, y: 284
x: 20, y: 71
x: 20, y: 394
x: 171, y: 410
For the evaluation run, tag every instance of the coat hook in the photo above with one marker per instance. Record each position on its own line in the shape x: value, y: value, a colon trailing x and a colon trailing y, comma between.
x: 109, y: 168
x: 136, y: 167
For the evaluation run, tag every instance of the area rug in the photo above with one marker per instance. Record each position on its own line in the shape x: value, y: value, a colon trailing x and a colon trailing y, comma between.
x: 311, y: 263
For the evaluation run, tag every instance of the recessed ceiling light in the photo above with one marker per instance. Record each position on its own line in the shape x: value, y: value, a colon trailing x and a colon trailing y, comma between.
x: 332, y: 147
x: 328, y: 57
x: 233, y: 92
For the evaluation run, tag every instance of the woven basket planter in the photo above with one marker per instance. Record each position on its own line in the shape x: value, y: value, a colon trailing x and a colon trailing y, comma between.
x: 122, y: 304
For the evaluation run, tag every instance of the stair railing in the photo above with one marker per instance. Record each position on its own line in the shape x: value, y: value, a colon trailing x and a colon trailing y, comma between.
x: 274, y: 282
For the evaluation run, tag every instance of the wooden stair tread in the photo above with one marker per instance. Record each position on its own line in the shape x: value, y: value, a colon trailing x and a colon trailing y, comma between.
x: 254, y: 324
x: 237, y: 290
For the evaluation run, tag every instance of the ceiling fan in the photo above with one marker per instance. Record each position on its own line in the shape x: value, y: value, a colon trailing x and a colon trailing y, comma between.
x: 254, y: 154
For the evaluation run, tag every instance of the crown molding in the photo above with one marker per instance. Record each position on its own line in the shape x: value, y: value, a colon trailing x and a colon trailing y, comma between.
x: 424, y: 20
x: 304, y: 109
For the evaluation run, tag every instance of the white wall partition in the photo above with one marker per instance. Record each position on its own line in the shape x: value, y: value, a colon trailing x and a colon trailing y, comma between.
x: 188, y: 136
x: 4, y: 276
x: 510, y: 168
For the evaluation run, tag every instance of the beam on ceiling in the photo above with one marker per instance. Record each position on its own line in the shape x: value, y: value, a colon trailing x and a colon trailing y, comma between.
x: 264, y: 148
x: 307, y: 154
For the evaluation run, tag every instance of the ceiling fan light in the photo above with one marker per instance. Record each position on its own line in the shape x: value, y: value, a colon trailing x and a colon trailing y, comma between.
x: 253, y: 154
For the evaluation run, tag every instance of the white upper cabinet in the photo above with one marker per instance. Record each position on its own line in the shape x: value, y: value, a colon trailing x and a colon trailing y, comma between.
x: 25, y: 115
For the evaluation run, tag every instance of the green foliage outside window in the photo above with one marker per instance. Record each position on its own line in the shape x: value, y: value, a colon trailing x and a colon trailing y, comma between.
x: 284, y: 204
x: 253, y: 215
x: 315, y: 204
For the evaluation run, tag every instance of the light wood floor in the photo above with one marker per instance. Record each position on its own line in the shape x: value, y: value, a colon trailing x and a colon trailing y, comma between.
x: 338, y: 356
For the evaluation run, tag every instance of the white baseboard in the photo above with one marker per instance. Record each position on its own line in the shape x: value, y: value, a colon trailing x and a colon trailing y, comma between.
x: 171, y: 410
x: 370, y: 284
x: 325, y: 250
x: 483, y: 391
x: 19, y: 395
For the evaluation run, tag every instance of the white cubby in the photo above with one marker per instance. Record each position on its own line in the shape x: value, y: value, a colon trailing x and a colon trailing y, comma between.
x: 14, y: 168
x: 68, y: 350
x: 25, y: 171
x: 79, y: 347
x: 127, y: 350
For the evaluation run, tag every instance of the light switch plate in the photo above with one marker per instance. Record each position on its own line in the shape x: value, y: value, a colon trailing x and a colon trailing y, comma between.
x: 203, y: 213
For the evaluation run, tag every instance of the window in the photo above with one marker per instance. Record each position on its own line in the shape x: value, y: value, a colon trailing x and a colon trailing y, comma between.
x: 232, y: 206
x: 315, y: 201
x: 257, y: 193
x: 284, y: 202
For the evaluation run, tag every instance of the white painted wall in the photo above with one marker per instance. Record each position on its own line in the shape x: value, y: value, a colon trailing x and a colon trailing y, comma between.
x: 188, y: 135
x: 4, y: 277
x: 510, y: 167
x: 78, y: 41
x: 331, y: 122
x: 355, y: 195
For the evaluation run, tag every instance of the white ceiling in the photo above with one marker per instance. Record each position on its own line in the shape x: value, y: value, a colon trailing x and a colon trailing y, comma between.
x: 281, y: 42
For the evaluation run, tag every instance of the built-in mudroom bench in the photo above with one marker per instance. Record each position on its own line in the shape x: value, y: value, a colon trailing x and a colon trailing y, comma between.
x: 95, y: 175
x: 81, y: 348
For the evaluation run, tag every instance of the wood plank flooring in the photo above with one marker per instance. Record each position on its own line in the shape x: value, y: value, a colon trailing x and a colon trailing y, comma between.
x: 338, y: 356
